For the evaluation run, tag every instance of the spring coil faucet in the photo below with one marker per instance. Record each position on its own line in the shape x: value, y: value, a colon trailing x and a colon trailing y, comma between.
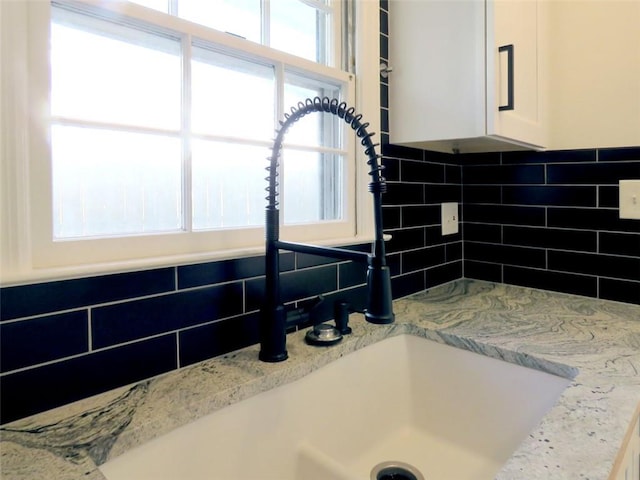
x: 379, y: 299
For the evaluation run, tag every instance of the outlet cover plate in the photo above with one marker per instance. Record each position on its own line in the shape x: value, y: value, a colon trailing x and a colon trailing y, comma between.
x: 630, y: 199
x: 449, y: 218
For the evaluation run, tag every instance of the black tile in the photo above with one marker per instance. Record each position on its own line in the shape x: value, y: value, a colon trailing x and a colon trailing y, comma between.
x: 423, y: 258
x: 225, y: 271
x: 620, y: 290
x: 384, y: 48
x: 453, y: 251
x: 591, y: 219
x: 593, y: 173
x: 391, y: 169
x: 403, y: 194
x: 414, y: 216
x: 490, y: 272
x: 482, y: 194
x: 534, y: 216
x: 439, y: 157
x: 29, y: 342
x: 407, y: 284
x: 595, y: 264
x: 521, y: 256
x: 503, y: 174
x: 294, y: 285
x: 453, y: 174
x: 384, y: 4
x: 549, y: 156
x: 434, y: 236
x: 620, y: 244
x: 546, y: 195
x: 384, y: 120
x: 618, y: 154
x: 384, y: 96
x: 442, y: 193
x: 414, y: 171
x: 208, y: 341
x: 490, y: 158
x: 556, y: 281
x: 351, y: 274
x: 35, y: 390
x: 443, y: 274
x: 551, y: 238
x: 399, y: 151
x: 384, y: 22
x: 304, y: 260
x: 393, y: 262
x: 127, y: 321
x: 478, y: 232
x: 407, y: 239
x: 608, y: 196
x: 35, y: 299
x: 391, y: 217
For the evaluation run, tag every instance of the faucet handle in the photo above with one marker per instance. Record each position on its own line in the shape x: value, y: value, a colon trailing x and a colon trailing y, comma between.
x: 341, y: 311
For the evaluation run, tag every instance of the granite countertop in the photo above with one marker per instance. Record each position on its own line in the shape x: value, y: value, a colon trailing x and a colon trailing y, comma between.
x: 594, y: 342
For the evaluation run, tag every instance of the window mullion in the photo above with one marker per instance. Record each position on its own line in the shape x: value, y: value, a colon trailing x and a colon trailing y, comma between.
x: 185, y: 133
x: 265, y: 18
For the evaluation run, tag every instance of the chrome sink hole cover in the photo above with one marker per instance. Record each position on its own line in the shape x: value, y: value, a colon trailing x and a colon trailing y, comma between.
x: 395, y: 471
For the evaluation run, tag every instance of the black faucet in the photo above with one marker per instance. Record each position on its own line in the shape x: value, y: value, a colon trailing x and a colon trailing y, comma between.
x: 379, y: 300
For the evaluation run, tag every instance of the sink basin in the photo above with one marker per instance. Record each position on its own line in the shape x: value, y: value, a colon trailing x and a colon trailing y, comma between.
x: 447, y: 412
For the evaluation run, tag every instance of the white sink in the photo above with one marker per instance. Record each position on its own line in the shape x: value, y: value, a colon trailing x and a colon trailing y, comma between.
x: 449, y: 413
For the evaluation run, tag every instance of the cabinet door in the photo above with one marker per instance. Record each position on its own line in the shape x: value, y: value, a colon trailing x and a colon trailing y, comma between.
x: 514, y: 50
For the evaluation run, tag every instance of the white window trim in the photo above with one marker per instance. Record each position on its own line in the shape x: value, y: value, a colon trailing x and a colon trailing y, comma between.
x: 22, y: 235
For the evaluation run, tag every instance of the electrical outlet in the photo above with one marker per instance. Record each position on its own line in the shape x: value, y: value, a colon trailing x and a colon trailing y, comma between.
x: 449, y: 218
x: 630, y: 199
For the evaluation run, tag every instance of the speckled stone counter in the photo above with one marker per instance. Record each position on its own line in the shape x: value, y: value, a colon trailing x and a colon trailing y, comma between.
x: 594, y: 342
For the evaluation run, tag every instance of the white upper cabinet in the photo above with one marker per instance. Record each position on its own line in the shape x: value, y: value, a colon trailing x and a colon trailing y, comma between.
x: 468, y: 75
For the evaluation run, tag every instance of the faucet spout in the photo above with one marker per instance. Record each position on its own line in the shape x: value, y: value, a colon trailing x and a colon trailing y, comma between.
x: 379, y: 298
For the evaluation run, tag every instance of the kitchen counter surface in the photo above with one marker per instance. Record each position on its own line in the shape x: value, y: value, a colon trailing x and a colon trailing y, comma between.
x: 594, y: 342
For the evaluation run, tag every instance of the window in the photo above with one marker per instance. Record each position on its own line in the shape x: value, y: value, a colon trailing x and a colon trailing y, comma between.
x: 149, y: 133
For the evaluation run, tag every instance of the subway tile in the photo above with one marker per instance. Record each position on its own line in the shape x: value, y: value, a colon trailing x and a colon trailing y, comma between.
x: 384, y: 49
x: 407, y: 284
x: 423, y: 258
x: 406, y: 239
x: 434, y: 236
x: 384, y: 4
x: 550, y: 156
x: 548, y: 195
x: 36, y: 299
x: 480, y: 232
x: 595, y: 264
x: 38, y: 340
x: 442, y: 193
x: 226, y: 270
x: 482, y: 194
x: 351, y: 274
x: 619, y: 154
x: 551, y: 238
x: 391, y: 171
x: 590, y: 219
x: 413, y: 216
x: 211, y: 340
x: 547, y: 280
x: 391, y: 217
x: 491, y: 272
x: 384, y: 96
x: 128, y: 321
x: 608, y: 196
x: 304, y: 260
x: 384, y: 21
x: 294, y: 285
x: 593, y: 173
x: 439, y: 157
x: 453, y: 174
x: 620, y: 244
x: 503, y: 174
x: 413, y: 171
x: 443, y: 274
x: 399, y: 151
x: 490, y: 158
x: 384, y: 120
x: 521, y: 256
x: 393, y: 262
x: 403, y: 194
x: 504, y: 214
x: 453, y: 251
x: 620, y: 290
x: 38, y: 389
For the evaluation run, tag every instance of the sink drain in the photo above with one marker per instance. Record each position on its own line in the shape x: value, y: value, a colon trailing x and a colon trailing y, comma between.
x: 395, y: 471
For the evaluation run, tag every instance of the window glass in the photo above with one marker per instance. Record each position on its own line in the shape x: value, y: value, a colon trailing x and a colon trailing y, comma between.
x: 299, y: 29
x: 228, y: 185
x: 113, y: 74
x: 239, y: 17
x: 231, y: 96
x: 109, y: 182
x: 161, y: 5
x: 313, y: 185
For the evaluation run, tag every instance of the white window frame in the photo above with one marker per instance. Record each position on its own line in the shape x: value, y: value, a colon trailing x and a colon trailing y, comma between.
x: 27, y: 251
